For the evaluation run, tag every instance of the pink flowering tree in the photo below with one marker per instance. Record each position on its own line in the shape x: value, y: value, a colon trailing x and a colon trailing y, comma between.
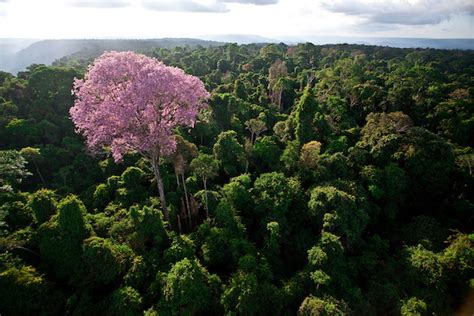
x: 132, y: 103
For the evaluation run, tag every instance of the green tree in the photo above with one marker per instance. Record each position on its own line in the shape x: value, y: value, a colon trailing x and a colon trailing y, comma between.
x: 223, y: 107
x: 382, y: 132
x: 429, y: 163
x: 188, y: 288
x: 413, y: 307
x: 241, y: 295
x: 205, y: 167
x: 146, y: 230
x: 43, y: 204
x: 134, y: 186
x: 23, y: 288
x: 337, y: 211
x: 23, y: 130
x: 60, y: 239
x: 309, y: 156
x: 236, y: 193
x: 33, y: 155
x: 105, y: 260
x: 125, y: 301
x: 229, y: 152
x: 42, y: 81
x: 181, y: 247
x: 305, y: 112
x: 266, y: 154
x: 327, y: 306
x: 256, y: 127
x: 331, y: 270
x: 12, y: 169
x: 274, y: 196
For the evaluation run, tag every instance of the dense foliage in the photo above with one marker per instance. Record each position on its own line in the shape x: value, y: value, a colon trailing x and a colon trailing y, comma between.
x: 321, y: 180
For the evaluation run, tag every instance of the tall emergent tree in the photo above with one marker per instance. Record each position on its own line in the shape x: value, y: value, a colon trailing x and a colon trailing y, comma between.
x: 206, y: 167
x: 132, y: 102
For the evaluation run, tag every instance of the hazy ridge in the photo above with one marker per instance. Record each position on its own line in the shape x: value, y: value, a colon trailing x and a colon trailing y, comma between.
x: 47, y: 51
x: 13, y: 59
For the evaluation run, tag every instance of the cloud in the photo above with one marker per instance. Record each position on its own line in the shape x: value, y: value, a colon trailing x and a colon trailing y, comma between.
x: 215, y: 6
x: 98, y: 3
x: 3, y: 10
x: 185, y: 6
x: 256, y: 2
x: 405, y: 12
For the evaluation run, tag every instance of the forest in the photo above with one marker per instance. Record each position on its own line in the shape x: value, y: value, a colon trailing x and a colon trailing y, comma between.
x: 319, y: 180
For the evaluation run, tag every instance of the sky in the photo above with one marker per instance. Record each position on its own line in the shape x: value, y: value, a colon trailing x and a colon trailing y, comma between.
x: 275, y: 19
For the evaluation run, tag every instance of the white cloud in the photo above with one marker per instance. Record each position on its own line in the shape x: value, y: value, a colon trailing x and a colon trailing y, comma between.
x: 199, y: 6
x: 185, y: 6
x: 98, y: 3
x: 406, y: 12
x: 194, y: 18
x: 3, y: 8
x: 256, y: 2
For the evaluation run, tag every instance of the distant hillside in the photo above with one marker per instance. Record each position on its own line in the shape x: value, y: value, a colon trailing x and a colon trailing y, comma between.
x: 397, y: 42
x: 47, y: 51
x: 240, y: 39
x: 13, y: 45
x: 9, y: 47
x: 462, y: 43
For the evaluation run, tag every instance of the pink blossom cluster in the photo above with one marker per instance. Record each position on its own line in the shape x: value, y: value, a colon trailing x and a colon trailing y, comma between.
x: 132, y: 102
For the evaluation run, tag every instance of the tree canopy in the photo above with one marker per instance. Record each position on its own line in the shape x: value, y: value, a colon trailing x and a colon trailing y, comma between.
x: 320, y: 180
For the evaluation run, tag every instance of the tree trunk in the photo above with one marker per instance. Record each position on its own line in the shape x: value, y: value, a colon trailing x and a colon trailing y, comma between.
x: 194, y: 212
x: 255, y: 138
x: 177, y: 177
x: 279, y: 99
x: 187, y: 200
x: 179, y: 224
x: 161, y: 191
x: 39, y: 173
x: 184, y: 213
x: 205, y: 197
